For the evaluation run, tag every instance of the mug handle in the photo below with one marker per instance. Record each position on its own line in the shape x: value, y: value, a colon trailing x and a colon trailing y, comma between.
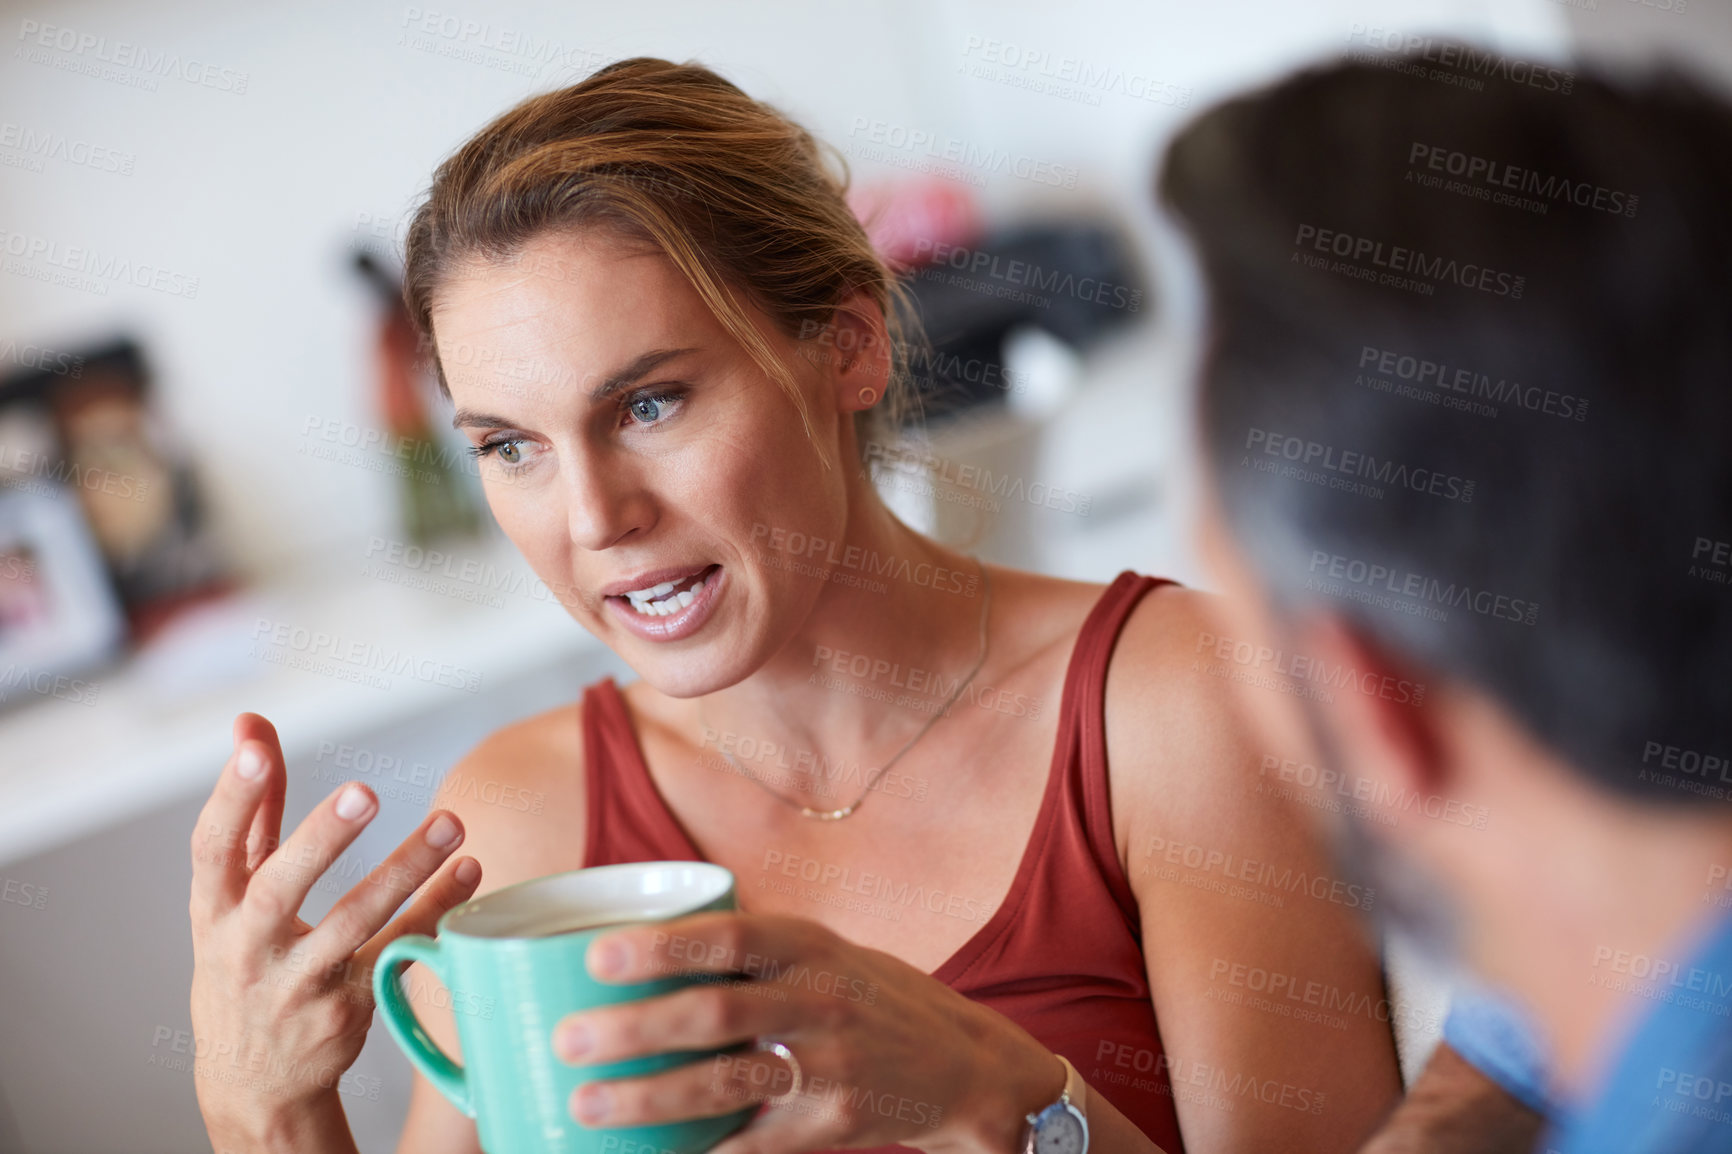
x: 435, y: 1064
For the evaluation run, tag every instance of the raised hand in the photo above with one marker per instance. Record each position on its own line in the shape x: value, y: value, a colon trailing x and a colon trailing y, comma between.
x: 280, y: 1008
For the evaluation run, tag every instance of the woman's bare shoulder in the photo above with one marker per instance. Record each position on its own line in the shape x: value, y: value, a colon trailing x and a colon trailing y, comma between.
x: 1049, y: 611
x: 1175, y: 735
x: 519, y: 793
x: 536, y: 750
x: 1161, y: 637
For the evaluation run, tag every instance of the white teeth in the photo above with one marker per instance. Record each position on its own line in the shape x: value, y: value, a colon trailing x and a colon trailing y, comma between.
x: 656, y: 602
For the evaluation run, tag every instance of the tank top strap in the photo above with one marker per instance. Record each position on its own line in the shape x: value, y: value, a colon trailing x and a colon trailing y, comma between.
x: 1083, y: 729
x: 628, y: 819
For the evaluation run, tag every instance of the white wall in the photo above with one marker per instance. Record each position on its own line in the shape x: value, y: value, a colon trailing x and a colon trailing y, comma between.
x: 258, y: 194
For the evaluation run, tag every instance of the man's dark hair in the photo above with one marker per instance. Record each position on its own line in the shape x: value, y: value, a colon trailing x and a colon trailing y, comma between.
x: 1468, y: 383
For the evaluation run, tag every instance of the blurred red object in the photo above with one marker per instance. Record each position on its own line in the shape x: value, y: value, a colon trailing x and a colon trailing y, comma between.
x: 908, y: 220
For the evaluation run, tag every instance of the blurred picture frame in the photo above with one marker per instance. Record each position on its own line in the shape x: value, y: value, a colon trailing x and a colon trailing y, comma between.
x: 105, y: 446
x: 59, y: 615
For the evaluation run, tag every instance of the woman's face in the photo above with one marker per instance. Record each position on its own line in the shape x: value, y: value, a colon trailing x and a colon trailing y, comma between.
x: 639, y: 458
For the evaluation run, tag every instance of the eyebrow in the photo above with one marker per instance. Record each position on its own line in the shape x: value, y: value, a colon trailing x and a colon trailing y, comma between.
x: 623, y: 379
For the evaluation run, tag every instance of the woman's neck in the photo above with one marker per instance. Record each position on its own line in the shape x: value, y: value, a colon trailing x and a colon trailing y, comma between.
x: 896, y: 608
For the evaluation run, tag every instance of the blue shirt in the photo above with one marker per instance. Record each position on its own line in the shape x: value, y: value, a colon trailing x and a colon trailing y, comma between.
x: 1670, y: 1090
x: 1495, y: 1034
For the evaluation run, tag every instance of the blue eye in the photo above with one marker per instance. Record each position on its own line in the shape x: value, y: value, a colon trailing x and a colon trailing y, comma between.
x: 653, y: 408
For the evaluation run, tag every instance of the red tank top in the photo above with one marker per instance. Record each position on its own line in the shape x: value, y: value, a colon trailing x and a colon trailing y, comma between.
x: 1062, y: 956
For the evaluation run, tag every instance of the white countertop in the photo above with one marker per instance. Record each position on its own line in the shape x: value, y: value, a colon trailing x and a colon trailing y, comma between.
x: 158, y: 729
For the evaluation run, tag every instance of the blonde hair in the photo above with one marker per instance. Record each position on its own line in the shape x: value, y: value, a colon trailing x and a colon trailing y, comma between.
x: 733, y: 192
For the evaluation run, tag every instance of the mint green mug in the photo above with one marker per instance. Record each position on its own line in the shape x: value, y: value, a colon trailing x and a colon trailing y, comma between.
x: 512, y: 961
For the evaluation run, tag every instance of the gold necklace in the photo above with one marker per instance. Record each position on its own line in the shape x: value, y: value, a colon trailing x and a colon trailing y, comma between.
x: 839, y: 814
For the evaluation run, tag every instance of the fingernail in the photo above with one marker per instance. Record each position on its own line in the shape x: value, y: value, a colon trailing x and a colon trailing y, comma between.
x: 467, y: 871
x: 251, y: 762
x: 442, y: 832
x: 594, y: 1102
x: 352, y: 803
x: 608, y: 958
x: 574, y: 1041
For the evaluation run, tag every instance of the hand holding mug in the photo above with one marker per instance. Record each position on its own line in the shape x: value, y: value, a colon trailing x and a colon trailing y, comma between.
x: 513, y: 964
x: 850, y: 1046
x: 280, y: 1008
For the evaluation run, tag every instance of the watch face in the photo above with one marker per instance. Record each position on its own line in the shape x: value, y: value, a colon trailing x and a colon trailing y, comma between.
x: 1059, y: 1131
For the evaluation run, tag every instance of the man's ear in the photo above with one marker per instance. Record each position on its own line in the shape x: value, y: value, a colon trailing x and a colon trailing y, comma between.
x: 1384, y: 723
x: 859, y: 353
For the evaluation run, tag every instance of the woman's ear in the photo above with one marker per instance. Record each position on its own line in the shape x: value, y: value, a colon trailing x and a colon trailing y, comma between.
x: 859, y: 353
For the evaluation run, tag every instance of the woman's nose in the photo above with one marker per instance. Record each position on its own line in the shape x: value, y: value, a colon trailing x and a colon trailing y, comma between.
x: 605, y: 503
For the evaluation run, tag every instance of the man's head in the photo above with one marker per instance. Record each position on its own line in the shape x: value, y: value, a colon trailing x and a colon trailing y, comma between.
x: 1467, y: 405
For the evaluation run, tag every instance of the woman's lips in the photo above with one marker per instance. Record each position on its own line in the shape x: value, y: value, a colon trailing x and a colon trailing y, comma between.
x: 678, y: 613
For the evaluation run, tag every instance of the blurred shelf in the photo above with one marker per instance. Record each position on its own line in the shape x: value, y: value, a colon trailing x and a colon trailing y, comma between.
x: 1078, y: 479
x: 159, y: 728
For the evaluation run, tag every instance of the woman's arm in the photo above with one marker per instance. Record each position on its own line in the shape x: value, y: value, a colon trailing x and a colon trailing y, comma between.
x: 542, y: 759
x: 1267, y: 991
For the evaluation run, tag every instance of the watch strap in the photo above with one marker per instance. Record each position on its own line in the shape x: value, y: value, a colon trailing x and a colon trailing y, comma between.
x: 1075, y: 1089
x: 1072, y: 1096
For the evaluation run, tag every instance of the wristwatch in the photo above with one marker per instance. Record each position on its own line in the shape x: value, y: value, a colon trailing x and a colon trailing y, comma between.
x: 1061, y: 1128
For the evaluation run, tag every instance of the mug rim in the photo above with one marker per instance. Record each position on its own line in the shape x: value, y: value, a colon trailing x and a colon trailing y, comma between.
x: 721, y: 873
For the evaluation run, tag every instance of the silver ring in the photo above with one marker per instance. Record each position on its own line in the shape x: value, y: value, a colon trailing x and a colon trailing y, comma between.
x: 771, y: 1046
